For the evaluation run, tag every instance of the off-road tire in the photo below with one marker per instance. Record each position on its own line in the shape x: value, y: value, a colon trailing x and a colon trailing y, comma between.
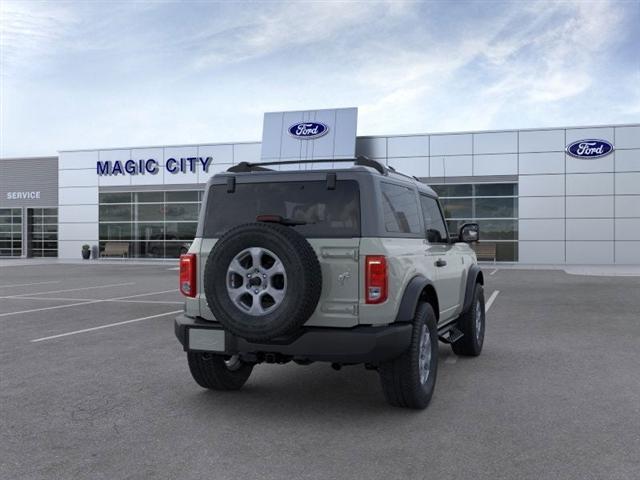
x: 400, y: 378
x: 210, y: 371
x: 304, y: 281
x: 470, y: 345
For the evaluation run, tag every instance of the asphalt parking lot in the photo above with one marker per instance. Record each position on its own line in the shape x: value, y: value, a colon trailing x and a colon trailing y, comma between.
x: 93, y: 384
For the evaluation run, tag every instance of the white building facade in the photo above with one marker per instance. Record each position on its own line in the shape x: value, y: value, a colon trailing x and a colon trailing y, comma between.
x: 534, y: 201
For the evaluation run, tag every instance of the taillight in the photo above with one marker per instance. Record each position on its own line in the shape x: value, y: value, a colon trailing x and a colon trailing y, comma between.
x: 188, y: 274
x: 375, y: 279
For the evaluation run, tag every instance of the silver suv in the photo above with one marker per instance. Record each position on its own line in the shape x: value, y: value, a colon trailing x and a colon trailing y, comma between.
x: 347, y: 266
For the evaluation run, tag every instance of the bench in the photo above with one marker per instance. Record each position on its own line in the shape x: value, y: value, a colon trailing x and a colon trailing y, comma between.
x: 115, y: 249
x: 485, y: 251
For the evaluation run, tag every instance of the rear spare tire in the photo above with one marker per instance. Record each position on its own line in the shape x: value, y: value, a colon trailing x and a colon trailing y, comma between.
x: 262, y: 280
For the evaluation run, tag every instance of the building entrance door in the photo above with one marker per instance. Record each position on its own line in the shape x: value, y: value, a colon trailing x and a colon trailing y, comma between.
x: 10, y: 232
x: 42, y: 232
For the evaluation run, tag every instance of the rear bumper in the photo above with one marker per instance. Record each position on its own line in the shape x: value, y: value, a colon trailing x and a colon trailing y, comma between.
x: 362, y: 344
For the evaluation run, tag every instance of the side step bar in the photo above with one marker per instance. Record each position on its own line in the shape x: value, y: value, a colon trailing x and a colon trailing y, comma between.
x: 450, y: 335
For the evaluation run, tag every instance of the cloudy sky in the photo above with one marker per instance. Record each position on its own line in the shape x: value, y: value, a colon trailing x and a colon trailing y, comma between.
x: 100, y: 74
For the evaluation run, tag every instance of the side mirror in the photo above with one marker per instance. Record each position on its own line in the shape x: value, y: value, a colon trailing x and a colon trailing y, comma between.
x: 469, y: 233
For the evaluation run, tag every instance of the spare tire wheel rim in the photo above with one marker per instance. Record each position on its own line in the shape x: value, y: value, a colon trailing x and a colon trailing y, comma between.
x: 256, y: 281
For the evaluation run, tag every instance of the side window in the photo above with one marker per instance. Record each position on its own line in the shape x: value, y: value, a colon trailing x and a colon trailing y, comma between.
x: 400, y: 209
x: 433, y: 221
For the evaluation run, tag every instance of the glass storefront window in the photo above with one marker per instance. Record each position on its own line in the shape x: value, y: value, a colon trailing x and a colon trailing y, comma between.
x: 457, y: 207
x: 10, y: 232
x: 182, y: 212
x: 188, y: 196
x: 150, y: 231
x: 181, y: 231
x: 149, y: 197
x: 115, y: 213
x: 150, y: 213
x: 115, y: 197
x: 154, y: 224
x: 115, y: 231
x: 42, y: 228
x: 495, y: 189
x: 494, y: 206
x: 463, y: 190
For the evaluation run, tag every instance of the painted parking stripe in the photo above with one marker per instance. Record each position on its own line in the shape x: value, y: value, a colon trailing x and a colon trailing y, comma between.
x: 72, y: 289
x: 67, y: 299
x: 494, y: 272
x: 33, y: 310
x: 492, y: 298
x: 85, y: 330
x: 29, y: 284
x: 89, y: 302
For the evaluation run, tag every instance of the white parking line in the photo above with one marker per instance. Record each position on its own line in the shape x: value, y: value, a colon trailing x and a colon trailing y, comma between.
x: 493, y: 296
x: 89, y: 302
x: 72, y: 289
x: 105, y: 326
x: 28, y: 284
x: 494, y: 272
x: 66, y: 299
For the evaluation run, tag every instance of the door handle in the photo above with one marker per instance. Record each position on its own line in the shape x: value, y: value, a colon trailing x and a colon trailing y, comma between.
x: 440, y: 262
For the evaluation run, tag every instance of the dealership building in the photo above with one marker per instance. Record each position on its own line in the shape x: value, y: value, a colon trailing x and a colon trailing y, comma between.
x: 567, y: 195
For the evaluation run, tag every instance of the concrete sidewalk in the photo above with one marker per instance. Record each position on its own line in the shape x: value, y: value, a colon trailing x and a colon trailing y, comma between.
x: 592, y: 270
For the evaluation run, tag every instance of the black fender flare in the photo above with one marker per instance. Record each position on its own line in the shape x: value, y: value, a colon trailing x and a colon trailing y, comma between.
x: 411, y: 297
x: 474, y: 276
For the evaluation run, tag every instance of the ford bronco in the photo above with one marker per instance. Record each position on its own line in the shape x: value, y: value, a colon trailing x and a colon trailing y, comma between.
x: 349, y: 265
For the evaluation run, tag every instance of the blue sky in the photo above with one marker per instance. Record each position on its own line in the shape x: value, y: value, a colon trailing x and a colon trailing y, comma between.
x: 101, y: 74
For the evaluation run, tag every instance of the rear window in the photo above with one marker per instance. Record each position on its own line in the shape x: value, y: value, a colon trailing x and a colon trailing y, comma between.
x: 328, y: 213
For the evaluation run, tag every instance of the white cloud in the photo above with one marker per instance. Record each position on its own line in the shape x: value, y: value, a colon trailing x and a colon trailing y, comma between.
x: 29, y: 30
x: 157, y: 72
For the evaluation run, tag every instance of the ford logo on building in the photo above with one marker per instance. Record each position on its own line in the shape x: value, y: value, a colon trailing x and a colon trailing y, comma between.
x: 590, y: 148
x: 308, y: 130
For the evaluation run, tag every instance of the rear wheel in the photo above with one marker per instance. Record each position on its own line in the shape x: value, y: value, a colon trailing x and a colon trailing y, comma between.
x: 409, y: 380
x: 472, y: 325
x: 218, y: 372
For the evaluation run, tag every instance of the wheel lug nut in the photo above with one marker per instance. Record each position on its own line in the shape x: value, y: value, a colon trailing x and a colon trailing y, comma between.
x: 264, y: 275
x: 255, y: 291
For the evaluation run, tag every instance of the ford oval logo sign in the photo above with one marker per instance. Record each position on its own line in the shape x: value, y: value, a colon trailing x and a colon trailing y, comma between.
x: 590, y: 148
x: 308, y: 130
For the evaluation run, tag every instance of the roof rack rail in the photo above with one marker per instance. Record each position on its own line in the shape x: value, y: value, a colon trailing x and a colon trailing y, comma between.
x: 245, y: 167
x: 412, y: 177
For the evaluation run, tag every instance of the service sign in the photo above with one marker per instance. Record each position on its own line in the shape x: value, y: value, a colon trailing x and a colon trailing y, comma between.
x: 589, y: 149
x: 23, y: 195
x: 308, y: 130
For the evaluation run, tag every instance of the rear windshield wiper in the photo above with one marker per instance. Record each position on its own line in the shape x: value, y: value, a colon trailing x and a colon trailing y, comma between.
x: 289, y: 222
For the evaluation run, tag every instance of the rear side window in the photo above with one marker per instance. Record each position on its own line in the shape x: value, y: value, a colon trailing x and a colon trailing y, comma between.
x: 433, y: 221
x: 400, y: 209
x: 327, y: 213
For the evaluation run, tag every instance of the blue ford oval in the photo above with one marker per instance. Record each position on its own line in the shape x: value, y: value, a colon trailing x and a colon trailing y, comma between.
x: 308, y: 130
x: 590, y: 148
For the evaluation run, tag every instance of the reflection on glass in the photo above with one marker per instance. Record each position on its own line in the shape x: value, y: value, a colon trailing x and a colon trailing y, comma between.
x: 458, y: 207
x: 496, y: 207
x: 463, y: 190
x: 152, y: 224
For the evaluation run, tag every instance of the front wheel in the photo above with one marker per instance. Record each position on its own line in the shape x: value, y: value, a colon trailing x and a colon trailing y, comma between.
x: 472, y: 325
x: 409, y: 380
x: 218, y: 372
